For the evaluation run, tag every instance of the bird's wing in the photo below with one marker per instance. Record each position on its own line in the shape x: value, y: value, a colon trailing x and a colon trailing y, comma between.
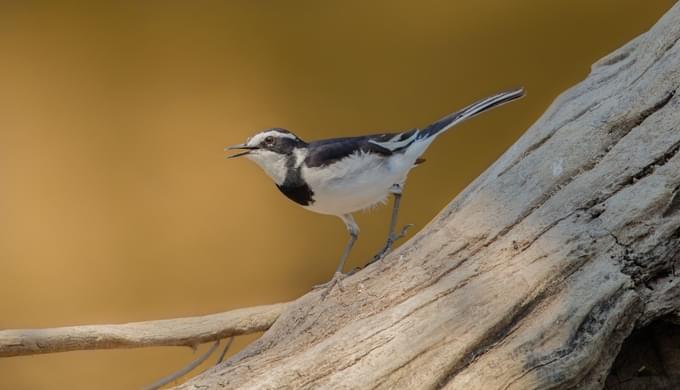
x: 330, y: 151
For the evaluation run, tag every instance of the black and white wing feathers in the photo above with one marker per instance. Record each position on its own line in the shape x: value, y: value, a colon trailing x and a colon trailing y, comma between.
x: 329, y: 151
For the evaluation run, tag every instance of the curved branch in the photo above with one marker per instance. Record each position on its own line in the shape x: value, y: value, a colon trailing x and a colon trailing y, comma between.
x: 187, y: 331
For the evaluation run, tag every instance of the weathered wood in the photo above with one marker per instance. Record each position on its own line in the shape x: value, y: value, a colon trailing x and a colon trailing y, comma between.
x: 188, y: 331
x: 533, y: 276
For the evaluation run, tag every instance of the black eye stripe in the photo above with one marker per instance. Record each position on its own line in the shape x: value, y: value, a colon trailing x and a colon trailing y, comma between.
x: 278, y: 142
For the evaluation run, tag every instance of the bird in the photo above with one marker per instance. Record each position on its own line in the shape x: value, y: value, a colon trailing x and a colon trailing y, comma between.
x: 340, y: 176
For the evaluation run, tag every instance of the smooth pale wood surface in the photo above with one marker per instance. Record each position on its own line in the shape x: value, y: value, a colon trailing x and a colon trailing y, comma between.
x: 189, y: 331
x: 533, y: 276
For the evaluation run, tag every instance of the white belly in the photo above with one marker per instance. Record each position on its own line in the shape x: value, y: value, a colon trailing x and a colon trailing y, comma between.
x: 355, y: 183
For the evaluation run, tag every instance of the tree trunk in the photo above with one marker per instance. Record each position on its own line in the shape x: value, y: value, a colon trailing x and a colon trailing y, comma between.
x: 532, y: 277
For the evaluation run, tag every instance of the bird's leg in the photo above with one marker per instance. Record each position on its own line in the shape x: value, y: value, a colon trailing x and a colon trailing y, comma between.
x: 353, y: 230
x: 392, y: 236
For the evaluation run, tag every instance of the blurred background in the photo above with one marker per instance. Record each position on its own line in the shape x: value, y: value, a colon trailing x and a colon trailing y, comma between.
x: 116, y: 202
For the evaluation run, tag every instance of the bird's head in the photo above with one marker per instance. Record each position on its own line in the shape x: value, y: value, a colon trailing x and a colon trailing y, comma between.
x: 271, y: 149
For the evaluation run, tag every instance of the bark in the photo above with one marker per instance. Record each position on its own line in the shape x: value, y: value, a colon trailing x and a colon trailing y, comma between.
x: 533, y: 276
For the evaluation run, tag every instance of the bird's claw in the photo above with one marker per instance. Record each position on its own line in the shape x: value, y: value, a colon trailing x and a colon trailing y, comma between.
x: 336, y: 280
x: 403, y: 232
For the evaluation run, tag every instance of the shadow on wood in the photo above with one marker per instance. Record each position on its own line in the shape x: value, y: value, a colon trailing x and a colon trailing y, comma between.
x: 649, y: 359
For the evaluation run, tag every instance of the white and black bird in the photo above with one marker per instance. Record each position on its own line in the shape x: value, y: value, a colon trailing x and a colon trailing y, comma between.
x: 342, y: 175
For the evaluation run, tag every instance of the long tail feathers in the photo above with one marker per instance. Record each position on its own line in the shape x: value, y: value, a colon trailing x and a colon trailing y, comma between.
x: 468, y: 112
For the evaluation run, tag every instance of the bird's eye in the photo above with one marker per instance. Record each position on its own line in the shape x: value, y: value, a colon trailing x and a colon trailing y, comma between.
x: 269, y: 140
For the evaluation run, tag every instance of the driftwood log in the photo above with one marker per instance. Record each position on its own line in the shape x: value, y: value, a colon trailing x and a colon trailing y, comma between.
x: 549, y: 271
x: 533, y: 277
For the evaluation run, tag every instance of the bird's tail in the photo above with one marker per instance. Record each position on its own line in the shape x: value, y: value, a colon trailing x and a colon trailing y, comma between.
x: 468, y: 112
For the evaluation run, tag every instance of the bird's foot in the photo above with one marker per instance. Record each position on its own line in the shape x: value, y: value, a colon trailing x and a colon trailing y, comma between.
x: 336, y: 280
x: 390, y: 241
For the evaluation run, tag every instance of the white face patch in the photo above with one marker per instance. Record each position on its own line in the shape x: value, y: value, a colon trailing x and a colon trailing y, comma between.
x: 274, y: 164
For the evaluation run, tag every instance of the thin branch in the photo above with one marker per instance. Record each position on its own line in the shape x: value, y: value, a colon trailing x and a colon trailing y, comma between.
x: 188, y: 331
x: 224, y: 351
x: 186, y: 369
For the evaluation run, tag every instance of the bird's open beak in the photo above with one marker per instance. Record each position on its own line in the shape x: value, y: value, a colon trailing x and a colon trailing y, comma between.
x: 239, y: 147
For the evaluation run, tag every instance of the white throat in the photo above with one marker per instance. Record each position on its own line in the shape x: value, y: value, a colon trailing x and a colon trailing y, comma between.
x: 273, y: 164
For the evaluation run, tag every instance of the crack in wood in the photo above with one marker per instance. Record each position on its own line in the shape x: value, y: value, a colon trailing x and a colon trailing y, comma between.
x: 674, y: 204
x: 651, y: 167
x: 627, y: 125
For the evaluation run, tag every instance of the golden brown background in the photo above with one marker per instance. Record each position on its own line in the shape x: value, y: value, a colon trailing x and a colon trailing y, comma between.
x: 116, y: 203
